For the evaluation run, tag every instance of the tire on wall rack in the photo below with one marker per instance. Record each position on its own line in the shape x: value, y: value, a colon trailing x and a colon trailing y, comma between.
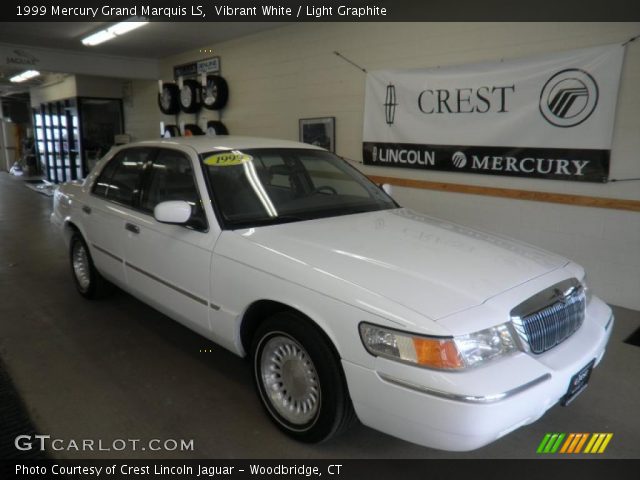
x: 171, y: 131
x: 216, y: 127
x: 190, y: 96
x: 169, y: 99
x: 191, y: 129
x: 216, y: 93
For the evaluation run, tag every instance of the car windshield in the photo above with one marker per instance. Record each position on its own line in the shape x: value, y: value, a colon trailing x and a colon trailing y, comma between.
x: 267, y: 186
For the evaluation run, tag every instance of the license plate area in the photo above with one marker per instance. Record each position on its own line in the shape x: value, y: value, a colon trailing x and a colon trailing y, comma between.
x: 578, y: 383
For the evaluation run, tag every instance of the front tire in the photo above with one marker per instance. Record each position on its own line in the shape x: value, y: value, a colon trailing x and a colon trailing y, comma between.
x: 299, y: 379
x: 89, y: 283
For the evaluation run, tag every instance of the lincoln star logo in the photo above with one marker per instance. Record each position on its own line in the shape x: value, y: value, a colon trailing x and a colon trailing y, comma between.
x: 390, y: 104
x: 568, y: 98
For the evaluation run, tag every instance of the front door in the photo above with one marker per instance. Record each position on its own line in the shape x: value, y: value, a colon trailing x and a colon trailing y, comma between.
x: 169, y: 266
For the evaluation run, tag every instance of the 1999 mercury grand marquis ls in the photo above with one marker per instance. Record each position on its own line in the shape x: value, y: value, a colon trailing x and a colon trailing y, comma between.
x: 347, y: 304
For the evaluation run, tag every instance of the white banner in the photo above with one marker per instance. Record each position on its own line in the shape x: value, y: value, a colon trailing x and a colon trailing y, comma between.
x: 549, y: 116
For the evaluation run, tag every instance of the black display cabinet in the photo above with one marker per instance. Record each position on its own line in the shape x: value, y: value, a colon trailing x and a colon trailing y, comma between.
x: 73, y: 134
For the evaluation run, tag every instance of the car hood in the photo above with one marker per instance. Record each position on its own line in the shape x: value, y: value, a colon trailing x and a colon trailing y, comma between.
x: 431, y: 266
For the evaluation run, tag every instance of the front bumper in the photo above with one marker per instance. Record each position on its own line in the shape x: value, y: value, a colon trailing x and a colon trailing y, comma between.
x: 462, y: 411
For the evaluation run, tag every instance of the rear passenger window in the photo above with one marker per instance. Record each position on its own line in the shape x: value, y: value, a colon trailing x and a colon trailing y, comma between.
x: 171, y: 177
x: 120, y: 179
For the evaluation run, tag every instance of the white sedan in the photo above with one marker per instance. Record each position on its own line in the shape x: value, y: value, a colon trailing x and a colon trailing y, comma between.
x: 347, y: 304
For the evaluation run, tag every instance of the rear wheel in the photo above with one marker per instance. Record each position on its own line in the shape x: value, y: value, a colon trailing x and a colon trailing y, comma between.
x: 299, y: 379
x: 88, y: 280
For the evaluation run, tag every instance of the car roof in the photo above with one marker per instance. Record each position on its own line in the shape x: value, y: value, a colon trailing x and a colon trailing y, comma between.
x: 206, y: 143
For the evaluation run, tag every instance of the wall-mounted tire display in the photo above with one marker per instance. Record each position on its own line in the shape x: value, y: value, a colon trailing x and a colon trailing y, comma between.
x: 216, y: 127
x: 171, y: 131
x: 216, y: 93
x: 169, y: 99
x: 190, y: 96
x: 192, y: 129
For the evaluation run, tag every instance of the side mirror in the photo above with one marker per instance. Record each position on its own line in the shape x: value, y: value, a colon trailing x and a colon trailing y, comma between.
x: 174, y: 211
x: 387, y: 188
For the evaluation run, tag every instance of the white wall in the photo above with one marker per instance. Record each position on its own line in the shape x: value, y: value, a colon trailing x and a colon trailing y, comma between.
x: 59, y: 90
x: 279, y: 76
x: 141, y: 113
x: 138, y: 97
x: 91, y: 86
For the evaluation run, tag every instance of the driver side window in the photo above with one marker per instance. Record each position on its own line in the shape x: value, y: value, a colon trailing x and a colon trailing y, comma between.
x: 170, y: 176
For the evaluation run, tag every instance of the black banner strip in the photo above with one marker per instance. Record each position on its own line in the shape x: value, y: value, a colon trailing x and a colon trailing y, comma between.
x: 318, y: 11
x: 578, y: 165
x: 596, y: 469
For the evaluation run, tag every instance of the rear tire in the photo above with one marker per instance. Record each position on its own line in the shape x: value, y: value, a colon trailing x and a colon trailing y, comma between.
x: 89, y: 283
x: 299, y: 379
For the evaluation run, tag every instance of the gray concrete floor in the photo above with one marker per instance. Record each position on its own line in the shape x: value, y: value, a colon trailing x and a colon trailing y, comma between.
x: 118, y: 369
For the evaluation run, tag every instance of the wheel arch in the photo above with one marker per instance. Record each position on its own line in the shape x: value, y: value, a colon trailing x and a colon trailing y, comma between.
x: 69, y: 229
x: 260, y: 310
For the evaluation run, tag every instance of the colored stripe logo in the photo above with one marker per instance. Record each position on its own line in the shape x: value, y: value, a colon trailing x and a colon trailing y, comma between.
x: 574, y: 443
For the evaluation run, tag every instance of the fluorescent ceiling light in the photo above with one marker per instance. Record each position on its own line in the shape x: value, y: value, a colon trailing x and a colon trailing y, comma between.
x: 124, y: 27
x: 97, y: 38
x: 112, y: 32
x: 24, y: 76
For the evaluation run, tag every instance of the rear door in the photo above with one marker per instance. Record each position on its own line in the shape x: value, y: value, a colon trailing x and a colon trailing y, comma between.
x: 110, y: 207
x: 169, y: 266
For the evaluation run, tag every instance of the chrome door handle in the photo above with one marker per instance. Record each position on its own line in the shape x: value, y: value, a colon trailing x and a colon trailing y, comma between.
x: 86, y: 209
x: 132, y: 228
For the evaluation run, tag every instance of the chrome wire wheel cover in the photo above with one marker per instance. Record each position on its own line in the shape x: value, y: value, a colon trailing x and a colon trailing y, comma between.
x: 81, y: 267
x: 290, y: 380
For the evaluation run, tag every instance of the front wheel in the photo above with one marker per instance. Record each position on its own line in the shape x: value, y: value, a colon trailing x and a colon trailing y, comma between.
x: 299, y: 379
x: 88, y: 280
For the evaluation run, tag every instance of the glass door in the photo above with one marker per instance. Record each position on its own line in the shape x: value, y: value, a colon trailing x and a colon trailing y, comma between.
x: 57, y: 133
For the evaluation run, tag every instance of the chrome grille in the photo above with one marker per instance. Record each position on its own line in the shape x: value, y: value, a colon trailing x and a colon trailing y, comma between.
x: 551, y: 316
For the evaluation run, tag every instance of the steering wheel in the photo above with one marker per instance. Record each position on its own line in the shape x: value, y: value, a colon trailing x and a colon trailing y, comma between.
x: 325, y: 188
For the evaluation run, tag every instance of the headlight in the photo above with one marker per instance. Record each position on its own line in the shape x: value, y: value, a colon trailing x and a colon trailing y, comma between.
x: 445, y: 353
x: 484, y: 345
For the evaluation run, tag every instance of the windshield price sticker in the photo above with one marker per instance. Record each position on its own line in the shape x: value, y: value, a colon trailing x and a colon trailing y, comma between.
x: 227, y: 159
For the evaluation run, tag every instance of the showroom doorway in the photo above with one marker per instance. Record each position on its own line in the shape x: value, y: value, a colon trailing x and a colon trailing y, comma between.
x: 73, y: 134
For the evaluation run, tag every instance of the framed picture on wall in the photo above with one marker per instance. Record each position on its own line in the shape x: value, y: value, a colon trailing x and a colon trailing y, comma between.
x: 319, y: 131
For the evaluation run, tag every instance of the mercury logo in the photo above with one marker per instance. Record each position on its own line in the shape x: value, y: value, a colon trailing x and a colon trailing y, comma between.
x: 390, y: 104
x: 568, y: 98
x: 459, y: 159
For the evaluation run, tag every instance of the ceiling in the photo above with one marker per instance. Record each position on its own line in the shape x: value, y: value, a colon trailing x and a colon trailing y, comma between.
x: 155, y: 40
